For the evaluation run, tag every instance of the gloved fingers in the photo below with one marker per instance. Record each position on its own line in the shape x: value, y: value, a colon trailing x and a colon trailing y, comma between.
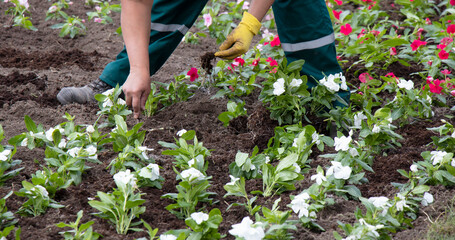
x: 236, y: 50
x: 228, y: 42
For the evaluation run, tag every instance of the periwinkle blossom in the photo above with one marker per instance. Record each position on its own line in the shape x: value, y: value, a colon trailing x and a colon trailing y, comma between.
x: 353, y: 152
x: 401, y: 203
x: 414, y: 168
x: 315, y: 138
x: 73, y: 152
x: 247, y: 230
x: 52, y: 9
x: 300, y: 206
x: 427, y: 199
x: 453, y: 134
x: 168, y: 237
x: 207, y: 19
x: 192, y: 174
x: 143, y: 150
x: 339, y: 171
x: 199, y: 217
x: 90, y: 129
x: 408, y: 85
x: 437, y: 156
x: 124, y: 178
x: 181, y: 132
x: 92, y: 150
x: 330, y: 83
x: 295, y: 83
x: 233, y: 180
x: 151, y: 171
x: 342, y: 143
x: 297, y: 168
x: 319, y: 178
x: 41, y: 190
x: 358, y: 118
x: 278, y: 87
x: 4, y: 155
x: 380, y: 202
x: 51, y: 131
x: 376, y: 129
x: 372, y: 229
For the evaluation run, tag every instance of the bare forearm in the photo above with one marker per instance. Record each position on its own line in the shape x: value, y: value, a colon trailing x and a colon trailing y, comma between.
x: 258, y: 8
x: 135, y: 21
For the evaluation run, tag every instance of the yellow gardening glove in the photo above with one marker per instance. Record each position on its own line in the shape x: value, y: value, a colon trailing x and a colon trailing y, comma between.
x: 238, y: 41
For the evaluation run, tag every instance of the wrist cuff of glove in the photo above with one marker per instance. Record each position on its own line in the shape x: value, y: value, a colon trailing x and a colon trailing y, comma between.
x: 251, y: 23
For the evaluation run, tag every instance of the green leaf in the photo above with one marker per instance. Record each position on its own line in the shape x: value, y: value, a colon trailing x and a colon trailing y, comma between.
x: 287, y: 162
x: 29, y: 124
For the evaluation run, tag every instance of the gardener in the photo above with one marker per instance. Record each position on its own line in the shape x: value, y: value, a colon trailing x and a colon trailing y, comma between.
x: 304, y: 27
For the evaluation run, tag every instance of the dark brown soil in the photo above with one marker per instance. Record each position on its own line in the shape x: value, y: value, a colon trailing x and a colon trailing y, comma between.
x: 34, y: 66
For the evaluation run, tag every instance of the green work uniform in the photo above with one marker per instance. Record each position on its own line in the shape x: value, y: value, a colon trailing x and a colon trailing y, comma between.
x: 304, y: 27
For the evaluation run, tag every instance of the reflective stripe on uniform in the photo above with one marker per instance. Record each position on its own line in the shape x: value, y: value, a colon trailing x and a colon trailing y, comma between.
x: 159, y: 27
x: 317, y: 43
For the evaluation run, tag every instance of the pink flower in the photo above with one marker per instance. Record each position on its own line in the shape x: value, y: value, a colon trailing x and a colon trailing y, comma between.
x: 446, y: 40
x: 339, y: 2
x: 255, y: 62
x: 390, y: 74
x: 193, y: 74
x: 274, y: 70
x: 427, y: 21
x: 441, y: 46
x: 239, y: 61
x: 207, y: 19
x: 416, y: 44
x: 336, y: 14
x: 275, y: 42
x: 446, y: 72
x: 451, y: 29
x: 452, y: 2
x: 272, y: 61
x: 98, y: 20
x: 346, y: 29
x: 364, y: 77
x: 452, y: 93
x: 393, y: 51
x: 443, y: 54
x: 435, y: 86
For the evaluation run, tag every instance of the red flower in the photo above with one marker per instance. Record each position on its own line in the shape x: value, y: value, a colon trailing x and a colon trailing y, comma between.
x: 346, y: 29
x: 390, y: 74
x: 446, y: 72
x: 364, y: 77
x: 416, y: 44
x: 427, y: 21
x: 393, y: 51
x: 441, y: 46
x: 275, y: 42
x: 239, y: 61
x: 339, y: 2
x: 443, y: 54
x: 336, y: 14
x: 435, y: 86
x: 452, y: 2
x: 451, y: 29
x: 446, y: 40
x: 274, y: 70
x: 255, y: 62
x: 272, y: 61
x: 430, y: 63
x: 193, y: 74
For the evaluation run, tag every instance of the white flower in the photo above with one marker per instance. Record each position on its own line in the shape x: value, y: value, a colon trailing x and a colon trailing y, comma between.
x: 344, y: 86
x: 181, y: 132
x: 266, y: 33
x: 371, y: 228
x: 315, y: 138
x: 121, y: 101
x: 4, y: 155
x: 62, y: 143
x: 191, y: 174
x: 319, y: 178
x: 376, y: 129
x: 124, y: 178
x: 24, y: 3
x: 247, y: 230
x: 297, y: 168
x: 191, y: 162
x: 207, y: 19
x: 330, y: 83
x: 453, y: 162
x: 414, y: 168
x: 358, y: 118
x: 300, y: 206
x: 339, y: 171
x: 437, y: 156
x: 453, y: 134
x: 199, y: 217
x: 233, y: 180
x: 91, y: 150
x: 143, y: 149
x: 278, y: 87
x: 401, y: 203
x: 90, y: 129
x: 342, y: 143
x: 379, y: 202
x: 73, y: 152
x: 52, y: 9
x: 24, y: 142
x: 353, y: 152
x: 152, y: 172
x: 427, y: 199
x: 295, y: 82
x: 408, y: 85
x: 108, y: 92
x: 42, y: 190
x: 50, y: 131
x: 294, y: 143
x: 168, y: 237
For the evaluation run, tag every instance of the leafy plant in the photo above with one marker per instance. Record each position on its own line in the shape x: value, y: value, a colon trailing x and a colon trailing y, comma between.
x: 78, y: 232
x: 205, y: 226
x: 234, y: 110
x: 246, y: 166
x: 7, y: 218
x: 18, y: 13
x: 236, y: 187
x: 38, y: 200
x: 73, y: 26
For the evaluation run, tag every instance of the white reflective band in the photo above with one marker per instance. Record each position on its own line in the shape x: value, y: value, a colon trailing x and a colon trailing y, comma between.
x: 317, y: 43
x: 169, y: 27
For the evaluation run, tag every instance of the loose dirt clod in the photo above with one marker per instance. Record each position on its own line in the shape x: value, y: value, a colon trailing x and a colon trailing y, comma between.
x: 206, y: 61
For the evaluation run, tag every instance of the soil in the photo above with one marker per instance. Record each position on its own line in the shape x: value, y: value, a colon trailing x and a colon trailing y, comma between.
x: 35, y: 65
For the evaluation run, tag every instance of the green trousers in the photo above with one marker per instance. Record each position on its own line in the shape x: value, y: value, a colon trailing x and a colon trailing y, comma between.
x: 304, y: 27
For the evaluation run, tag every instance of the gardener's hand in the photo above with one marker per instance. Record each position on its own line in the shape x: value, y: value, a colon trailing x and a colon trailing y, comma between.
x: 238, y: 41
x: 136, y: 90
